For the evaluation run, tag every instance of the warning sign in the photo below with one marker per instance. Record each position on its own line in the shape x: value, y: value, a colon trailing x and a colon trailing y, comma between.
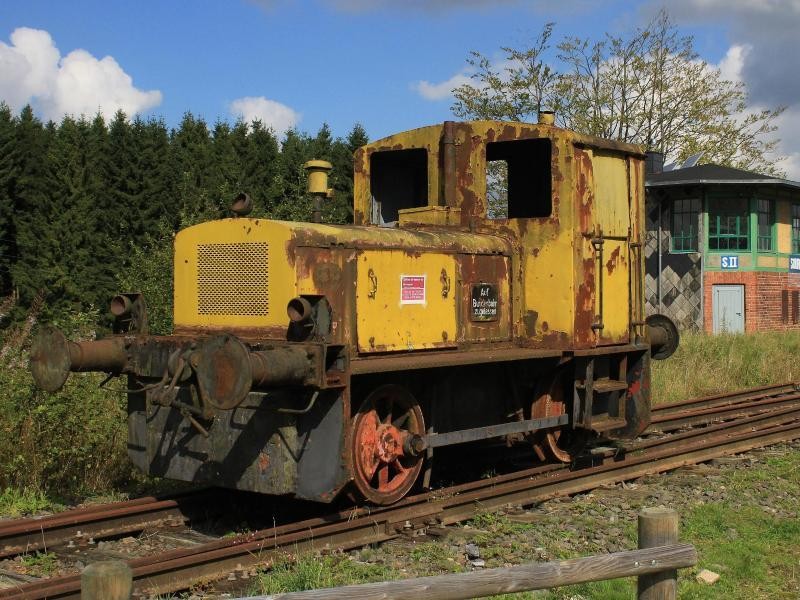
x: 412, y: 289
x: 484, y: 302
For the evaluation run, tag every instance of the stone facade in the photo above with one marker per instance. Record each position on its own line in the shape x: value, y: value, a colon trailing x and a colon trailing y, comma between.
x: 673, y: 282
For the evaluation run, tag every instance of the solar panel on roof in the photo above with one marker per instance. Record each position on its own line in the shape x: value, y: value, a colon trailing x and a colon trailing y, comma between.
x: 692, y: 160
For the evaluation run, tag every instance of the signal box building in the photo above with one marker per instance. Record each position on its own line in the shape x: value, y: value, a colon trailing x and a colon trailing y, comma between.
x: 723, y: 248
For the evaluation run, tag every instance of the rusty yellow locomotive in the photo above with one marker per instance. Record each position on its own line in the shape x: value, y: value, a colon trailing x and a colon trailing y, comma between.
x: 307, y: 358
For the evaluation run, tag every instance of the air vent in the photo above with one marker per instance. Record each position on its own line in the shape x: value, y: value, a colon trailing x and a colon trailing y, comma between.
x: 233, y: 279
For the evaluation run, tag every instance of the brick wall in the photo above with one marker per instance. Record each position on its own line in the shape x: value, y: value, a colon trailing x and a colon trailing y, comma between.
x: 762, y: 298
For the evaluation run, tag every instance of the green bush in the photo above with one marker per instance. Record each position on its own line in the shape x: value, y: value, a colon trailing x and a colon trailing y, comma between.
x: 68, y: 444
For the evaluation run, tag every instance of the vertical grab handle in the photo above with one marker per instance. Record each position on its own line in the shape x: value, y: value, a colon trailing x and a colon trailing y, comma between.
x: 597, y: 243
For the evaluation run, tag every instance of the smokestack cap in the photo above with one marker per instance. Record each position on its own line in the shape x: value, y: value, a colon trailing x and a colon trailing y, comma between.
x: 547, y: 117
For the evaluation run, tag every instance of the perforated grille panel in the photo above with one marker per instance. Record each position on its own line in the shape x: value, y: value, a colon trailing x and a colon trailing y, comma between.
x: 233, y: 279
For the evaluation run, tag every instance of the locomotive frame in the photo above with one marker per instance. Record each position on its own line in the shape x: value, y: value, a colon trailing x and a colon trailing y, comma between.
x: 427, y: 323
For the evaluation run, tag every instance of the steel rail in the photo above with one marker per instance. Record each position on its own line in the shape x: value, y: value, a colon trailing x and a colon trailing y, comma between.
x: 118, y: 518
x: 180, y: 568
x: 727, y: 398
x: 703, y: 414
x: 101, y: 521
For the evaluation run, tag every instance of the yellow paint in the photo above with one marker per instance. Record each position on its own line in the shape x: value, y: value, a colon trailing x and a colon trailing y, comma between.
x: 547, y: 256
x: 280, y: 269
x: 318, y: 176
x: 767, y: 261
x: 783, y: 224
x: 549, y: 285
x: 612, y: 215
x: 424, y: 137
x: 611, y: 193
x: 429, y: 215
x: 385, y: 321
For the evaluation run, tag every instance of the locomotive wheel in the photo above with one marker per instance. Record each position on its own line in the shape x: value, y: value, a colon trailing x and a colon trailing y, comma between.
x: 559, y: 444
x: 383, y: 468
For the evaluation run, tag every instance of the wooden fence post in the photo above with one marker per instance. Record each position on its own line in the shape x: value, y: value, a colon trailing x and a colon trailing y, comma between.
x: 107, y: 580
x: 658, y: 527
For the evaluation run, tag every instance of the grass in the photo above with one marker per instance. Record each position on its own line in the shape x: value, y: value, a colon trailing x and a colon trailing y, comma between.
x: 16, y: 502
x: 756, y: 552
x: 705, y: 364
x: 313, y: 572
x: 40, y: 563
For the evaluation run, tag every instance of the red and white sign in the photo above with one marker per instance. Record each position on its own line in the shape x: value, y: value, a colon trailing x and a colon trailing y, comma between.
x: 412, y: 289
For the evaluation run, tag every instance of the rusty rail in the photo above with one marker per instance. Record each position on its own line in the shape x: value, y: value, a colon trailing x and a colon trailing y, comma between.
x: 179, y: 568
x: 726, y: 399
x: 655, y: 565
x: 102, y: 521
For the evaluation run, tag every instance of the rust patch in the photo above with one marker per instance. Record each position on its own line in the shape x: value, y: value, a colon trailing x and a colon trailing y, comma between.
x: 263, y: 462
x: 584, y: 304
x: 584, y: 190
x: 529, y: 322
x: 476, y: 269
x: 326, y: 274
x: 613, y: 260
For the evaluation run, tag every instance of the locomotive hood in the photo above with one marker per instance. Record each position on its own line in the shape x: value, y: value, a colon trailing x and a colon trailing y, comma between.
x: 242, y: 272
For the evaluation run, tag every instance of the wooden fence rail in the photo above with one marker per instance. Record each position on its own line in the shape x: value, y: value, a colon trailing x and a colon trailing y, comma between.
x: 522, y: 578
x: 655, y: 565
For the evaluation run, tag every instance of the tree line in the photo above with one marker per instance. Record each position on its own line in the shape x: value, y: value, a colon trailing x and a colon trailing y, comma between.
x: 79, y: 197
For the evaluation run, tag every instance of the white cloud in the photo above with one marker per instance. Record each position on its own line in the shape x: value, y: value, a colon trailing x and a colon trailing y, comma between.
x: 271, y: 113
x: 444, y: 89
x: 789, y: 131
x: 33, y: 71
x: 441, y: 90
x: 732, y: 63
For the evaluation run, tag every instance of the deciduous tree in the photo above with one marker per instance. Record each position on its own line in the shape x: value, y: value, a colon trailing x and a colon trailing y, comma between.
x: 649, y: 87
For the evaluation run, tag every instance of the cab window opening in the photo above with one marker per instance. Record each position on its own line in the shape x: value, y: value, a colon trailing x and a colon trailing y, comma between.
x: 518, y: 179
x: 398, y: 180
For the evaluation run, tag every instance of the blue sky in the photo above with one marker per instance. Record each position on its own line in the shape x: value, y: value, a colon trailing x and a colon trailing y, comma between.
x: 305, y: 62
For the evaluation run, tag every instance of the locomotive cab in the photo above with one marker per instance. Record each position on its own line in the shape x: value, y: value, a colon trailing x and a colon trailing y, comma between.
x: 489, y: 289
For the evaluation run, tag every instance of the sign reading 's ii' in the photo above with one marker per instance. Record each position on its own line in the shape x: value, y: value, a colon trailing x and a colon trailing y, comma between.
x: 729, y: 262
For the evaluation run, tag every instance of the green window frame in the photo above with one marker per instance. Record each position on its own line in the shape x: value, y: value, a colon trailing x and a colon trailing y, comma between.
x: 683, y: 226
x: 795, y: 228
x: 765, y: 222
x: 728, y: 224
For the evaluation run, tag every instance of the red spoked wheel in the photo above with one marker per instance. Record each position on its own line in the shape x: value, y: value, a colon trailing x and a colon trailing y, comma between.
x: 561, y: 444
x: 384, y: 466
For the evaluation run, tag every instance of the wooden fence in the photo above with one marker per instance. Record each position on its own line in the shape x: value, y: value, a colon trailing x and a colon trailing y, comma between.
x: 655, y: 565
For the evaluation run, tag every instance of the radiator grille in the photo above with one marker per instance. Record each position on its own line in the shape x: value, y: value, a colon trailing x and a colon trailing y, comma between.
x: 233, y: 279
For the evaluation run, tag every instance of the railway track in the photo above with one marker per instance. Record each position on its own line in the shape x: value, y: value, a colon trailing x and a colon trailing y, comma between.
x: 708, y: 409
x: 733, y: 423
x: 104, y: 520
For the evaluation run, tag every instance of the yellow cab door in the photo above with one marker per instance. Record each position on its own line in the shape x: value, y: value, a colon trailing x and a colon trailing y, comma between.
x: 605, y: 232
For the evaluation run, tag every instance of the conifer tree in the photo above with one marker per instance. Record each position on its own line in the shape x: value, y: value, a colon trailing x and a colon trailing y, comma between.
x: 36, y: 239
x: 295, y: 204
x: 226, y: 174
x: 119, y: 171
x: 341, y: 208
x: 157, y: 186
x: 193, y: 159
x: 7, y: 180
x: 261, y: 168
